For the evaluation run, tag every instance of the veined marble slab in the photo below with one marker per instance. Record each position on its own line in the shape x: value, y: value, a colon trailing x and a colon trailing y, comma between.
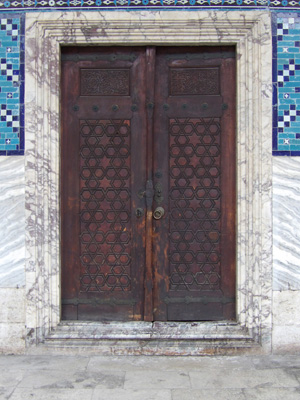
x: 12, y: 222
x: 251, y: 32
x: 286, y: 223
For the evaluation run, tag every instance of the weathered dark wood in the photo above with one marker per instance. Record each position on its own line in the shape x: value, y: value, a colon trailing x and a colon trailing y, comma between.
x: 228, y: 186
x: 194, y: 243
x: 102, y: 174
x: 150, y: 87
x: 70, y: 243
x: 144, y: 128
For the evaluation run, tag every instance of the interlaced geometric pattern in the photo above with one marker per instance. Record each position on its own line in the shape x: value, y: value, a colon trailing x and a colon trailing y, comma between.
x: 105, y: 82
x: 194, y: 81
x: 195, y: 204
x: 105, y: 205
x: 55, y: 5
x: 11, y: 85
x: 286, y: 85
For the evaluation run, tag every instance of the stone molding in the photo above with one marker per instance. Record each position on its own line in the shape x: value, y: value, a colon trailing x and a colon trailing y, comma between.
x: 250, y: 31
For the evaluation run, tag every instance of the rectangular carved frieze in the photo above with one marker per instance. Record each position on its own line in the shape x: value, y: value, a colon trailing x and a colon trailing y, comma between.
x: 105, y: 82
x: 194, y: 81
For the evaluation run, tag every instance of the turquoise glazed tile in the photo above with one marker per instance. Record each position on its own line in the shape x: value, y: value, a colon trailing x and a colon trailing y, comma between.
x: 286, y: 78
x: 11, y: 83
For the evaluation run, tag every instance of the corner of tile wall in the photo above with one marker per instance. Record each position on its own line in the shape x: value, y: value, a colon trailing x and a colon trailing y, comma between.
x: 286, y: 68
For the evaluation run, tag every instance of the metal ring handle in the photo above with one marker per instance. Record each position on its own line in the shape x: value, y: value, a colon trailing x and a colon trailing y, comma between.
x: 158, y: 213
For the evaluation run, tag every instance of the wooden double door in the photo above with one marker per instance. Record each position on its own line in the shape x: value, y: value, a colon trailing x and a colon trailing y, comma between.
x: 148, y: 183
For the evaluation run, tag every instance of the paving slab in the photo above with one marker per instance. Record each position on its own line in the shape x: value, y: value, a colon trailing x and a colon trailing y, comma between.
x: 10, y: 378
x: 294, y: 372
x: 241, y: 378
x: 57, y: 377
x: 208, y: 394
x: 156, y: 380
x: 132, y: 394
x: 34, y: 362
x: 53, y: 394
x: 276, y: 361
x: 70, y: 379
x: 6, y: 393
x: 272, y: 394
x: 164, y: 363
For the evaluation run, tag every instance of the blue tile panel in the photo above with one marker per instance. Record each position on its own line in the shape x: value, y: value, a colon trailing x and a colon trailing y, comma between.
x: 286, y: 71
x: 11, y: 84
x: 286, y: 83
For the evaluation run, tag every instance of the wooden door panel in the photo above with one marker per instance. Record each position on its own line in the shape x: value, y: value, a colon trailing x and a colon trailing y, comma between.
x: 194, y: 243
x: 144, y: 128
x: 101, y: 131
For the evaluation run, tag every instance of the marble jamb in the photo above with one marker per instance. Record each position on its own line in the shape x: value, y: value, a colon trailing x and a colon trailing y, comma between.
x: 251, y: 32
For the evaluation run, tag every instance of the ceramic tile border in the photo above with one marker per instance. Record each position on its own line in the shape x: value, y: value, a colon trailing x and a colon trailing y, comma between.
x: 286, y: 77
x: 97, y: 5
x: 286, y: 84
x: 11, y: 84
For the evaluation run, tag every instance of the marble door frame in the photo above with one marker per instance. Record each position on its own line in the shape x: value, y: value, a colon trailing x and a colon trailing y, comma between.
x: 250, y: 31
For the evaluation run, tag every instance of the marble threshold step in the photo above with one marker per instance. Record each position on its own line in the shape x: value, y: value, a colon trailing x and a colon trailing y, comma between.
x: 147, y: 338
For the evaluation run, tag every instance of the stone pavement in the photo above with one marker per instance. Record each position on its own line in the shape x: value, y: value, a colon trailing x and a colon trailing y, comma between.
x: 61, y: 377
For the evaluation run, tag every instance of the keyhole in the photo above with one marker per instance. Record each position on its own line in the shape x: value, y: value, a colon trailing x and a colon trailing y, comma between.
x: 139, y: 212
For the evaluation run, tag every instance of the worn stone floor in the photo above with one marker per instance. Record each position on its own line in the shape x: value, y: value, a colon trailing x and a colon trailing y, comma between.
x: 60, y: 377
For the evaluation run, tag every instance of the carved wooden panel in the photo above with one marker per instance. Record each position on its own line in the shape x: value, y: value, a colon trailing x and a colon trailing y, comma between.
x: 105, y: 233
x: 105, y: 82
x: 195, y: 204
x: 194, y: 81
x: 121, y: 261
